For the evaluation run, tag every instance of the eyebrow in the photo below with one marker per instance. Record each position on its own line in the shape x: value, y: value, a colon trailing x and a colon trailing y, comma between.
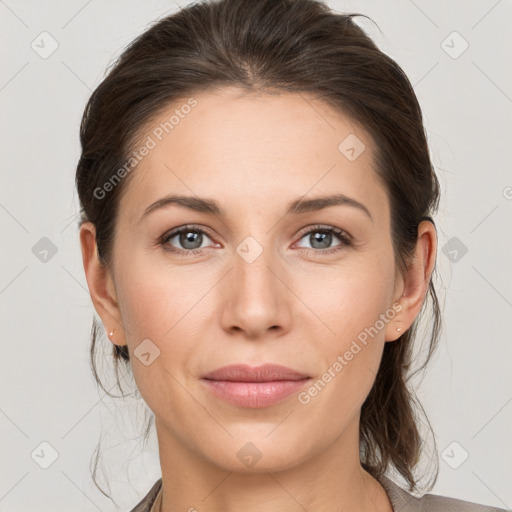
x: 296, y: 207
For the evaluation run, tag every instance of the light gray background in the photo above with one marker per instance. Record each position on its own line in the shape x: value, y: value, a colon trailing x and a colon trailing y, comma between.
x: 46, y: 388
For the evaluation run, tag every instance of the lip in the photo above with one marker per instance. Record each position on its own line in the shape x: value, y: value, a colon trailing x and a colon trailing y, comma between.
x: 246, y: 373
x: 254, y: 387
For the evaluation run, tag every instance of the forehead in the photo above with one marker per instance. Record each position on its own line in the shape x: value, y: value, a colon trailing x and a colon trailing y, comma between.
x: 253, y: 149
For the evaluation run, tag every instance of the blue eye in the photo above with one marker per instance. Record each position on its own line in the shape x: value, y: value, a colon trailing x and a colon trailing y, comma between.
x: 191, y: 239
x: 323, y: 235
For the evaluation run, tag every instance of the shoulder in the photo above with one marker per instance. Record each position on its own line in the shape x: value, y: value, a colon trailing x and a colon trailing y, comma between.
x: 146, y: 503
x: 402, y: 501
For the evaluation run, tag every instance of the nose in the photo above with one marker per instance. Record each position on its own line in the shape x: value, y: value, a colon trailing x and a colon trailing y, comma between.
x: 256, y: 298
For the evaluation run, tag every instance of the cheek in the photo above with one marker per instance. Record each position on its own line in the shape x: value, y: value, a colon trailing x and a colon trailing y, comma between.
x: 154, y: 298
x: 354, y: 307
x: 347, y: 300
x: 144, y: 308
x: 155, y: 324
x: 162, y: 305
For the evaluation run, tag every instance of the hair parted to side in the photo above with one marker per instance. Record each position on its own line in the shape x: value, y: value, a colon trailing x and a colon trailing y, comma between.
x: 278, y: 46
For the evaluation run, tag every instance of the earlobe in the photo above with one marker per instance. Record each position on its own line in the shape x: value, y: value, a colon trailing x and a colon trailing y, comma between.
x: 100, y: 282
x: 395, y: 327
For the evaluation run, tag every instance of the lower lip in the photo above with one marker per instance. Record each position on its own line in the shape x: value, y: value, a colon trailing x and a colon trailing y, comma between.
x: 255, y: 394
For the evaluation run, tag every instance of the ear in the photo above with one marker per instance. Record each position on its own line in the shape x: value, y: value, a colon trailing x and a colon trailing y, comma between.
x: 412, y: 288
x: 101, y: 284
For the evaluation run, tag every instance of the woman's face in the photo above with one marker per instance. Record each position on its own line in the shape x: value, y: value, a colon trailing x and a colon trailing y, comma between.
x: 257, y: 284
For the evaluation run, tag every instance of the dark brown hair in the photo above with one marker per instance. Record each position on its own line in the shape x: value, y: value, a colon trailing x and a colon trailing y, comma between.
x: 283, y: 46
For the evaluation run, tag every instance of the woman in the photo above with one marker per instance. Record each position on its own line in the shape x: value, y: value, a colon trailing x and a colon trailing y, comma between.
x: 257, y: 236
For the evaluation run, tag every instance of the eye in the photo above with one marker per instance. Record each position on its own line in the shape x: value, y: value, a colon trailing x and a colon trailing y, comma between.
x: 189, y: 237
x: 321, y: 238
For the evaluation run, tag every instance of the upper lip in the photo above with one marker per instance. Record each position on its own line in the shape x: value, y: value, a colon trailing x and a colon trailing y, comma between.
x: 246, y: 373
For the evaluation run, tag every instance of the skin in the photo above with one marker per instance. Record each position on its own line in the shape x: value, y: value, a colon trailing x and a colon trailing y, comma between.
x: 293, y: 305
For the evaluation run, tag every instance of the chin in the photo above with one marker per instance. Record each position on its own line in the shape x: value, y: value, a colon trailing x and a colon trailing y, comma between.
x: 257, y: 453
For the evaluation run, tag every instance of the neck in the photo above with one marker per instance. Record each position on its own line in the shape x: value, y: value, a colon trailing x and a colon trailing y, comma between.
x: 330, y: 480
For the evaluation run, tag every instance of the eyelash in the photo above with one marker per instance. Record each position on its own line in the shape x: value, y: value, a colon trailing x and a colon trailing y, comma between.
x: 345, y: 238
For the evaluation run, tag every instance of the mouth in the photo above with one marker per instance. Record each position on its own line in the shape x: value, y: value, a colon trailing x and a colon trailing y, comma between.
x: 254, y: 387
x: 263, y: 373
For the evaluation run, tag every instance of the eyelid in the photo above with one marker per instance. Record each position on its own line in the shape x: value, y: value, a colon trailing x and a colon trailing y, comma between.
x: 325, y: 227
x: 176, y: 231
x: 346, y: 238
